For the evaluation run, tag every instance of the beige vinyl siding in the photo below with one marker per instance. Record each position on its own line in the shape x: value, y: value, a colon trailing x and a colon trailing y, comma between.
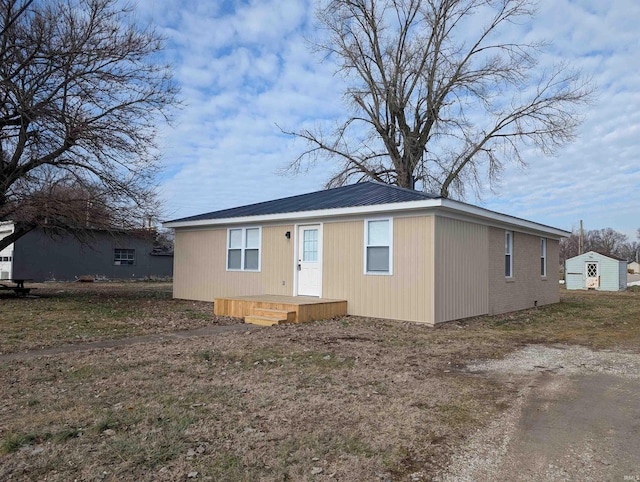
x: 277, y: 260
x: 200, y: 265
x: 526, y: 287
x: 405, y: 295
x: 461, y: 266
x: 192, y: 265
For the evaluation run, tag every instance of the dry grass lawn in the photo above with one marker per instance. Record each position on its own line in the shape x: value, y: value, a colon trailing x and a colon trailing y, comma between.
x: 62, y: 313
x: 348, y: 399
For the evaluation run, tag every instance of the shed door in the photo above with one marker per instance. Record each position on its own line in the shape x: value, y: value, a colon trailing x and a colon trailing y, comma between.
x: 592, y: 273
x: 310, y: 260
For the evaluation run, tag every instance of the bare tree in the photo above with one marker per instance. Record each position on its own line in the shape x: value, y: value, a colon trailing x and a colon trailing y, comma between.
x: 81, y: 93
x: 569, y: 247
x: 630, y: 251
x: 605, y: 241
x: 439, y: 98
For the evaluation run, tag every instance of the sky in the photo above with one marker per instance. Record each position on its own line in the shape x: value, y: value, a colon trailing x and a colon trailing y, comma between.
x: 246, y: 70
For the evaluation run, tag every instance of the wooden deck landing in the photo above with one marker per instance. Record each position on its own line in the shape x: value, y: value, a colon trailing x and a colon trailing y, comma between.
x: 275, y: 309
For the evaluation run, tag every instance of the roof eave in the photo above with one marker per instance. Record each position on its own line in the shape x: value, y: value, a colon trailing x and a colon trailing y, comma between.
x: 303, y: 215
x: 444, y: 205
x: 505, y: 220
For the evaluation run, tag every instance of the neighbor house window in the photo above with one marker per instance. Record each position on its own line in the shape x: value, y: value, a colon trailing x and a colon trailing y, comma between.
x: 508, y: 254
x: 122, y: 257
x: 243, y: 249
x: 378, y: 246
x: 543, y: 257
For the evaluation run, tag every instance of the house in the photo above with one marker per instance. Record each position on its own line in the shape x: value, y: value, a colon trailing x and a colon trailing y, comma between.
x: 42, y: 256
x: 389, y: 252
x: 596, y: 271
x: 634, y: 267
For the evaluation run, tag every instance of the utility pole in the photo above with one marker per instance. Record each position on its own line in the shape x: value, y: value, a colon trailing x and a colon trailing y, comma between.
x: 581, y: 239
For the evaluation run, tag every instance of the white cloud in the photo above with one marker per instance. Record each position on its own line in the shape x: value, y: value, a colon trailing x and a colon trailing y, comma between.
x: 245, y: 67
x: 596, y: 177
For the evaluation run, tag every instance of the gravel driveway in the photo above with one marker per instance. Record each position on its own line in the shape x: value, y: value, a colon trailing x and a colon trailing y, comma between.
x: 577, y: 417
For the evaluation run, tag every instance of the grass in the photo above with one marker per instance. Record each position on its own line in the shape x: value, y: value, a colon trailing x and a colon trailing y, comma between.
x: 64, y: 313
x: 595, y: 319
x: 12, y: 442
x: 358, y: 398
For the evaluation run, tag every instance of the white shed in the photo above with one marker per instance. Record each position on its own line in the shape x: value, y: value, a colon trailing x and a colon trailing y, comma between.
x: 635, y: 267
x: 595, y: 271
x: 6, y: 255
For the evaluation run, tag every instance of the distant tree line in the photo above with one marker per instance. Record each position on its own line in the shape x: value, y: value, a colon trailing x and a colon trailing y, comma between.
x: 606, y: 241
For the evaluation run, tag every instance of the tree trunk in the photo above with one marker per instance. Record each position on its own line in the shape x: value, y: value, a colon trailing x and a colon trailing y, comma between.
x: 20, y: 231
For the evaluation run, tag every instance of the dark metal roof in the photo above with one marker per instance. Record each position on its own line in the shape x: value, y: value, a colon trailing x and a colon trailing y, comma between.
x: 361, y: 194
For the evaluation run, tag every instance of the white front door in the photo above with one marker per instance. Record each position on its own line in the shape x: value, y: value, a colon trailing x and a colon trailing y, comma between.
x: 592, y: 274
x: 309, y: 260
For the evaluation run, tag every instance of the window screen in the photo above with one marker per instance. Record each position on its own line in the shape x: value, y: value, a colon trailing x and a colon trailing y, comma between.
x: 378, y: 246
x: 252, y: 249
x: 234, y: 255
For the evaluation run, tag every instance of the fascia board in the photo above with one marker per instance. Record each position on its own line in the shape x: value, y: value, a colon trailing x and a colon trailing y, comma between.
x: 503, y: 220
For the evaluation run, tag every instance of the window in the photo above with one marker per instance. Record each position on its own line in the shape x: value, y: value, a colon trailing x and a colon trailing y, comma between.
x: 378, y: 246
x: 310, y: 245
x: 508, y: 254
x: 543, y: 257
x: 124, y: 257
x: 243, y: 249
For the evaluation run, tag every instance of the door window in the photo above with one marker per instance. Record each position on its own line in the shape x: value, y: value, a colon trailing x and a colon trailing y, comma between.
x: 310, y: 245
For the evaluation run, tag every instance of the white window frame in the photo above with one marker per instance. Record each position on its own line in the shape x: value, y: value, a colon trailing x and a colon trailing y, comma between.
x: 543, y: 257
x: 243, y: 248
x: 367, y: 245
x: 508, y: 251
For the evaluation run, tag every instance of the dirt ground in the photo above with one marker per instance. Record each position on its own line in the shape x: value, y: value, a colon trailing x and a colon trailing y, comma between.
x: 347, y: 399
x: 577, y: 417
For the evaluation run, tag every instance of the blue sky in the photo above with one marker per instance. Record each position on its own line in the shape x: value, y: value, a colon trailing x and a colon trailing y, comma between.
x: 245, y: 67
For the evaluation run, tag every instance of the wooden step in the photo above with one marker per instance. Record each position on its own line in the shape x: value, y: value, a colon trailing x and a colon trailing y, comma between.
x: 304, y: 308
x: 263, y: 320
x: 284, y: 315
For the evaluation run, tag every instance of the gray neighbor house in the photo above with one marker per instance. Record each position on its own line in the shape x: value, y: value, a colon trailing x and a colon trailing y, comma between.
x: 40, y: 256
